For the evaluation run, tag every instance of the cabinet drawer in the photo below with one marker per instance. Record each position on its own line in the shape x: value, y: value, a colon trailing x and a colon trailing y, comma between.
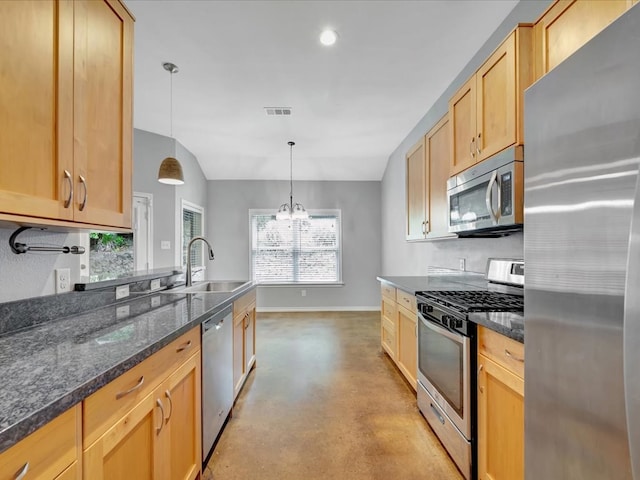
x: 388, y: 309
x: 240, y: 305
x: 407, y: 300
x: 502, y: 350
x: 111, y: 402
x: 388, y: 291
x: 47, y: 451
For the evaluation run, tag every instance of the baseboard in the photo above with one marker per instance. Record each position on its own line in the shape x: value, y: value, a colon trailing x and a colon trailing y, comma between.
x: 318, y: 309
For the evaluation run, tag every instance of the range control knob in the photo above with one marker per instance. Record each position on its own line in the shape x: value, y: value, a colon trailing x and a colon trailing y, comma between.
x: 455, y: 323
x: 429, y: 308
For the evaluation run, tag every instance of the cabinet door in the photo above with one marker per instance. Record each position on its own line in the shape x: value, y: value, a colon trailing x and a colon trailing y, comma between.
x: 131, y: 448
x: 238, y: 353
x: 407, y: 345
x: 416, y: 182
x: 36, y: 114
x: 388, y: 327
x: 569, y: 24
x: 462, y: 114
x: 438, y: 155
x: 181, y: 394
x: 250, y: 338
x: 103, y: 56
x: 500, y: 422
x: 496, y: 100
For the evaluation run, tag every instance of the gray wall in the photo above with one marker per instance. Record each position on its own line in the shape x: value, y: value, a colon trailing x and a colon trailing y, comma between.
x: 229, y: 202
x: 400, y: 257
x: 149, y: 149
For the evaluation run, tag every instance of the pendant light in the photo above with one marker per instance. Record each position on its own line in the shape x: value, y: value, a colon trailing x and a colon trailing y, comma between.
x: 290, y: 211
x: 170, y: 169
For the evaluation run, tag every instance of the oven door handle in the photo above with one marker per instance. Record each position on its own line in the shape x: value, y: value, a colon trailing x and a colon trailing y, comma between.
x: 456, y: 337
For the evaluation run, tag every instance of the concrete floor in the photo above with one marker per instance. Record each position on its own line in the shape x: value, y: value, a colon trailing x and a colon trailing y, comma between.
x: 324, y: 402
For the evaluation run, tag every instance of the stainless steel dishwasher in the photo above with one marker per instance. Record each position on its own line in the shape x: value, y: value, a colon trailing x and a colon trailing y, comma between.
x: 217, y: 376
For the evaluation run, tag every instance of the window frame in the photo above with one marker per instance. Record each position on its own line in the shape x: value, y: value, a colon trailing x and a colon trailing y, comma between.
x: 192, y: 207
x: 316, y: 212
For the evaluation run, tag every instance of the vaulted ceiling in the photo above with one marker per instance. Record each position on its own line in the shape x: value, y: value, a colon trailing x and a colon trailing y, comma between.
x: 352, y: 103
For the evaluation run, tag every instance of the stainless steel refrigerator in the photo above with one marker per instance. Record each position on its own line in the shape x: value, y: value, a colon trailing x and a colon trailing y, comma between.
x: 582, y: 257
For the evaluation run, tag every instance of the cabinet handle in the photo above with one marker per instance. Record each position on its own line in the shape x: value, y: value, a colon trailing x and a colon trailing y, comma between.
x: 119, y: 395
x: 159, y: 404
x: 23, y: 471
x: 69, y: 199
x: 84, y: 199
x: 511, y: 355
x: 249, y: 322
x: 167, y: 394
x: 471, y: 150
x: 480, y: 387
x: 183, y: 347
x: 478, y: 144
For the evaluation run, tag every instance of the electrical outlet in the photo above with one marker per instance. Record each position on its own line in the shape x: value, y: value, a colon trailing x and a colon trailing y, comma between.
x: 122, y: 312
x: 122, y: 292
x: 155, y: 301
x: 463, y: 264
x: 155, y: 284
x: 303, y: 293
x: 63, y: 280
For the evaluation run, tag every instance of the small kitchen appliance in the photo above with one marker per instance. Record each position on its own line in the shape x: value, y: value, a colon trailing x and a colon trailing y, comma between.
x: 447, y: 354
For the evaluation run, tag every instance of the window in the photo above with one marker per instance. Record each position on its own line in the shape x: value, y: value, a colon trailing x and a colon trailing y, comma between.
x: 296, y: 251
x: 192, y: 227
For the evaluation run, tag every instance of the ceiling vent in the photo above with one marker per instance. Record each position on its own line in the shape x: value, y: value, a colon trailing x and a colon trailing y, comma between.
x: 278, y: 110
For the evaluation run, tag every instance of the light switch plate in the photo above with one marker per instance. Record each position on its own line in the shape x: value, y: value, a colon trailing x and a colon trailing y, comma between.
x: 165, y: 245
x: 155, y: 284
x: 122, y: 292
x: 463, y: 264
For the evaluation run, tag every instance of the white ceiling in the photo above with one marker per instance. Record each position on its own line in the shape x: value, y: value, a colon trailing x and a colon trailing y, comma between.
x: 352, y: 103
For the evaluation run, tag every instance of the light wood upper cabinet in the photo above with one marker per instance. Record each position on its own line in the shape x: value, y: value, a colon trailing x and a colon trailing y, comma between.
x: 417, y: 180
x: 462, y: 113
x: 36, y: 114
x: 500, y: 407
x: 438, y: 154
x: 567, y: 25
x: 103, y: 126
x: 487, y: 112
x: 427, y: 173
x: 66, y: 116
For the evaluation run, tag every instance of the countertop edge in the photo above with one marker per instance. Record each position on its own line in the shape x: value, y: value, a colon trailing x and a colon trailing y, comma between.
x: 38, y: 418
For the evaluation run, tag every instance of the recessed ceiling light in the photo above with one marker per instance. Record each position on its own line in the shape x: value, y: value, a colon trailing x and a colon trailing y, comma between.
x: 328, y: 37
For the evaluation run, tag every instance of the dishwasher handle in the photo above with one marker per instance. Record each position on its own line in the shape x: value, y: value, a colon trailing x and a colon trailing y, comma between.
x: 216, y: 321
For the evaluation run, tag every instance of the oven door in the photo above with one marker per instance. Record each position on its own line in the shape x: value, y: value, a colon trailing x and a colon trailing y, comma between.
x: 444, y: 364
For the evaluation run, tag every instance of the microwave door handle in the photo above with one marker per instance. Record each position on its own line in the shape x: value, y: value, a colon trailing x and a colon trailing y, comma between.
x: 489, y: 197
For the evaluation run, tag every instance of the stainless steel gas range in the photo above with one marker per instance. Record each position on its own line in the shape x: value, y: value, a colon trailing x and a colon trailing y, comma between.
x: 447, y: 355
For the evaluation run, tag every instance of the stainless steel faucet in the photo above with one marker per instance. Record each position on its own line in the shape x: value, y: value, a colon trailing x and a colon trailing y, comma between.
x: 189, y: 280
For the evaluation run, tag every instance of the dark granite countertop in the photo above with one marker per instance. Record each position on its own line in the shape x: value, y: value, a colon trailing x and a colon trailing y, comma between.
x: 508, y: 324
x: 108, y: 280
x: 50, y: 367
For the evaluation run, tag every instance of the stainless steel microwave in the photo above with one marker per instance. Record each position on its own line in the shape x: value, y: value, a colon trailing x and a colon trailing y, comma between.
x: 486, y: 200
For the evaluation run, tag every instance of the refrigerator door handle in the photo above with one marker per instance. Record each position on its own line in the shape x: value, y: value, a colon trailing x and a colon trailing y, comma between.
x: 631, y: 348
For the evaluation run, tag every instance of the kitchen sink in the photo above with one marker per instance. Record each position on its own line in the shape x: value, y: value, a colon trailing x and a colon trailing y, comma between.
x: 213, y: 286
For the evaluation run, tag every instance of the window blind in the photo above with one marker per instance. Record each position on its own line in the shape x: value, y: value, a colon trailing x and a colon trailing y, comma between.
x: 296, y: 251
x: 191, y: 227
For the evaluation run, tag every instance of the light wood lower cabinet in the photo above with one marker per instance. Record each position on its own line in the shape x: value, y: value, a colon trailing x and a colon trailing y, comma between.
x: 49, y: 452
x: 159, y: 437
x: 398, y: 320
x: 500, y: 407
x: 244, y: 339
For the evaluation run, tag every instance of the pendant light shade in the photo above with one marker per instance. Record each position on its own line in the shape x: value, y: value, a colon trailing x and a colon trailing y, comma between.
x: 290, y: 211
x: 170, y: 171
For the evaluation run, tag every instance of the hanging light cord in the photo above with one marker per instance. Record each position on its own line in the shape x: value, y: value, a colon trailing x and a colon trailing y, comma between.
x: 291, y: 144
x: 171, y: 105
